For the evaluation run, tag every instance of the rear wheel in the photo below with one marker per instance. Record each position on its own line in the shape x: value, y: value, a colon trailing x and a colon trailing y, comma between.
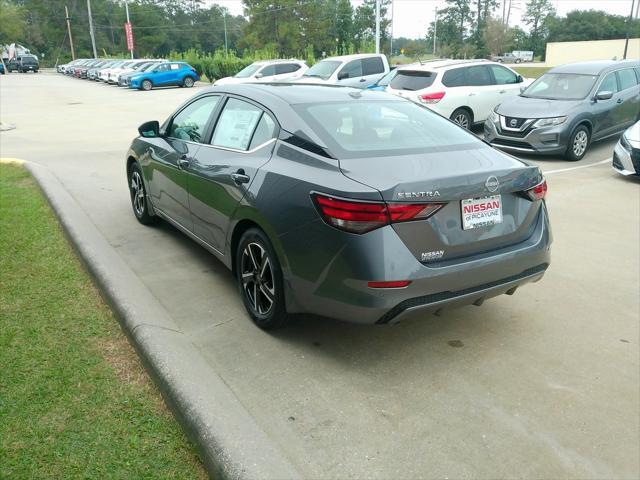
x: 139, y: 201
x: 188, y: 82
x: 462, y: 117
x: 260, y: 280
x: 146, y: 85
x: 518, y: 60
x: 578, y: 144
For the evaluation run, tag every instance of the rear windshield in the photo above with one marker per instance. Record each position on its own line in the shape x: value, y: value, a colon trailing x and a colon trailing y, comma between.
x: 29, y: 60
x: 365, y: 128
x: 561, y: 86
x: 412, y: 80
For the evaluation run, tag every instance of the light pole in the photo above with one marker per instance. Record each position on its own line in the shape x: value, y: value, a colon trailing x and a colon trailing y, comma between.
x: 377, y: 26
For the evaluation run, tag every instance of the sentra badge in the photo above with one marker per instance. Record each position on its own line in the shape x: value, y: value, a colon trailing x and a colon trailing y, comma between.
x: 427, y: 194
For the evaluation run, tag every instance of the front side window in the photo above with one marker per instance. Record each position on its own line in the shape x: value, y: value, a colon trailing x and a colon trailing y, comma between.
x: 191, y: 123
x: 372, y: 66
x: 627, y: 79
x: 609, y: 84
x: 352, y: 69
x: 503, y: 76
x: 561, y: 86
x: 360, y: 129
x: 236, y: 125
x: 162, y: 68
x: 268, y: 71
x: 175, y: 66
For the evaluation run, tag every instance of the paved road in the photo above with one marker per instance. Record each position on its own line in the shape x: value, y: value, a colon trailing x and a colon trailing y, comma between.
x: 542, y: 384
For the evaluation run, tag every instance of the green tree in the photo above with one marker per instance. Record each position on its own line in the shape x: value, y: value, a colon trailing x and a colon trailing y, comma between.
x: 364, y: 24
x: 590, y: 25
x: 497, y: 36
x: 12, y: 23
x: 535, y: 16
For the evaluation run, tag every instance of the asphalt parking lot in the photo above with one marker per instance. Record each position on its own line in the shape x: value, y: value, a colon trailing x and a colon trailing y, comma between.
x: 541, y: 384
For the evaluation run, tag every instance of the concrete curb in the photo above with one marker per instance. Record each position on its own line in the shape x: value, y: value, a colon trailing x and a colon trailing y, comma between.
x: 231, y: 443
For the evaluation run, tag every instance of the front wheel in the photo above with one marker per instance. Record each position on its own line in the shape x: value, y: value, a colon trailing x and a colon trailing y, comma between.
x: 188, y: 82
x: 146, y: 85
x: 260, y: 280
x: 462, y: 117
x: 578, y: 144
x: 139, y: 200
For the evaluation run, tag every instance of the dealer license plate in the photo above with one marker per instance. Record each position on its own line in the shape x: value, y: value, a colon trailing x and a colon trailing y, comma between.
x: 481, y: 212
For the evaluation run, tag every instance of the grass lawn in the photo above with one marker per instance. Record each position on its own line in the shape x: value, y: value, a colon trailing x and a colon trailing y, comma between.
x: 530, y: 72
x: 74, y: 400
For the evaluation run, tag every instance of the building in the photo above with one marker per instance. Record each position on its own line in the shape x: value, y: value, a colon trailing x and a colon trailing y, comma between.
x: 559, y: 53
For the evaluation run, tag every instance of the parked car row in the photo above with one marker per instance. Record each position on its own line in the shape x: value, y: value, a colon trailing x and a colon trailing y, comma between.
x: 142, y: 74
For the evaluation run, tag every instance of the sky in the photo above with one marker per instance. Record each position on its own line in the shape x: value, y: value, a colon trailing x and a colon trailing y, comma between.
x: 412, y: 17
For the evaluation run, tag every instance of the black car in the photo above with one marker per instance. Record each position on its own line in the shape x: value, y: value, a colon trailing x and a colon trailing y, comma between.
x: 24, y: 63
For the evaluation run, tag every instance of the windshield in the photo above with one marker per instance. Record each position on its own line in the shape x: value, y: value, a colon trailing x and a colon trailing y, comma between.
x: 361, y: 128
x: 412, y: 80
x: 561, y: 86
x: 323, y: 69
x: 248, y: 71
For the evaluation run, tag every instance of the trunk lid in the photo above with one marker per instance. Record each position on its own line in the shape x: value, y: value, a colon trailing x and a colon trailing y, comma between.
x: 450, y: 177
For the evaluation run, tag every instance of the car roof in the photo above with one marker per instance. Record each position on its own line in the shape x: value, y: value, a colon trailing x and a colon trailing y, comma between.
x: 594, y: 67
x: 355, y: 56
x: 436, y: 64
x: 277, y: 60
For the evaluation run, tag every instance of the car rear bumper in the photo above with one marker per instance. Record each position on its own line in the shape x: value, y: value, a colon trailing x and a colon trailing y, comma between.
x: 342, y: 290
x: 541, y: 141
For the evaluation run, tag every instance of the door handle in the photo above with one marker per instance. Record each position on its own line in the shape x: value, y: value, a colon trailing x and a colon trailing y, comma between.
x: 240, y: 177
x: 619, y: 100
x: 363, y: 79
x: 502, y: 91
x: 472, y: 94
x: 183, y: 162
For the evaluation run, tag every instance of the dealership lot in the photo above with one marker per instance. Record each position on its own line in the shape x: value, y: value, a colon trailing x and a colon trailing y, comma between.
x: 544, y: 383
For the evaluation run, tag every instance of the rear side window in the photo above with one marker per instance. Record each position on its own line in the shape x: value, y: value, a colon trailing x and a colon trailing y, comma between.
x: 265, y: 131
x: 175, y: 66
x: 412, y: 80
x: 627, y: 79
x: 191, y: 123
x: 372, y: 66
x: 454, y: 78
x: 352, y: 69
x: 503, y: 76
x: 287, y: 68
x: 236, y: 125
x: 478, y: 76
x: 609, y: 84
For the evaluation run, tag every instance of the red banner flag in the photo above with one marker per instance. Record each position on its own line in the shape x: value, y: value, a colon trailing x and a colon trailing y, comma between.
x: 129, y: 32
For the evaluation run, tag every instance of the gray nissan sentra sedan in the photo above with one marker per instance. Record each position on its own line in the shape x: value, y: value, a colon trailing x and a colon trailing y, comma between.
x: 356, y: 205
x: 567, y: 108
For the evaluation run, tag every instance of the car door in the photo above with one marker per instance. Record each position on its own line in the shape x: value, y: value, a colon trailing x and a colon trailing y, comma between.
x: 242, y: 141
x: 629, y: 97
x: 607, y: 114
x: 350, y: 74
x: 372, y: 70
x: 507, y: 83
x: 158, y: 75
x: 170, y: 155
x: 482, y: 94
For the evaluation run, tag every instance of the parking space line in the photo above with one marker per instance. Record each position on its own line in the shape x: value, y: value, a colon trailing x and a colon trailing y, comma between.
x: 606, y: 160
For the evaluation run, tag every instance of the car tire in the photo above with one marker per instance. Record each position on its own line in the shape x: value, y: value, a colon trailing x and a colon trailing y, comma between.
x: 578, y: 144
x: 146, y: 85
x: 500, y: 60
x: 139, y: 198
x: 462, y: 117
x: 518, y: 60
x: 188, y: 82
x: 259, y: 278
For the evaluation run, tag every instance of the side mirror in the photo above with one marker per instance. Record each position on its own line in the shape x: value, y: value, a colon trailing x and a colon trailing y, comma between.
x: 343, y: 75
x: 520, y: 79
x: 259, y: 75
x: 522, y: 89
x: 149, y: 129
x: 604, y: 95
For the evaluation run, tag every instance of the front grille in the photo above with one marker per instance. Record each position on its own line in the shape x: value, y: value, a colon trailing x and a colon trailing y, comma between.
x: 509, y: 133
x: 426, y: 300
x: 510, y: 143
x: 514, y: 122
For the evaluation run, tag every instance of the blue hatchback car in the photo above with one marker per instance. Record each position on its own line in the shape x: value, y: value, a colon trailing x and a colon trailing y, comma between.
x: 165, y: 74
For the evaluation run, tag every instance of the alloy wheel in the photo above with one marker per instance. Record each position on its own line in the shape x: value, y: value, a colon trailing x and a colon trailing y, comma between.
x: 137, y: 193
x: 580, y: 143
x: 188, y: 82
x: 462, y: 120
x: 258, y: 283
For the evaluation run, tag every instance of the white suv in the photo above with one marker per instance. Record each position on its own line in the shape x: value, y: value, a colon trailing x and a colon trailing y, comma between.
x: 360, y: 70
x: 266, y: 71
x: 466, y: 91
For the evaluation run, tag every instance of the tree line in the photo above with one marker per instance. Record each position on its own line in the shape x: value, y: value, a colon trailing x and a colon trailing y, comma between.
x: 292, y: 28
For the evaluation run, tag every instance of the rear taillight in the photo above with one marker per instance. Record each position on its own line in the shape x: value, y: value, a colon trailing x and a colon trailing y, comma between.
x: 361, y: 217
x: 538, y: 192
x: 391, y: 284
x: 431, y: 97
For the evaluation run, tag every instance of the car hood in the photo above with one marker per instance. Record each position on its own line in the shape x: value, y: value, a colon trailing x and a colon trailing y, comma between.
x: 308, y: 79
x: 524, y: 107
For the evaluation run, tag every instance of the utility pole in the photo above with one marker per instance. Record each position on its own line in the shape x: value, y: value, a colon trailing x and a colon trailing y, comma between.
x: 126, y: 7
x: 391, y: 43
x: 377, y: 26
x: 224, y: 19
x: 93, y: 37
x: 435, y: 32
x: 626, y: 41
x: 73, y: 52
x: 638, y: 10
